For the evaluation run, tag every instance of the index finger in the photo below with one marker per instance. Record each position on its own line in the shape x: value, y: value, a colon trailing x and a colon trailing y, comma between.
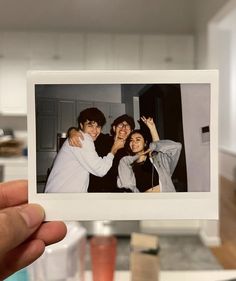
x: 13, y: 193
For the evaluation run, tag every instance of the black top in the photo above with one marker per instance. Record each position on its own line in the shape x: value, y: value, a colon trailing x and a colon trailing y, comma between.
x: 108, y: 183
x: 145, y: 174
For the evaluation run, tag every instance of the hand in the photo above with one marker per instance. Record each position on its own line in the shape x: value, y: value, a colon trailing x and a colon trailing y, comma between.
x: 152, y: 127
x: 118, y: 144
x: 23, y: 235
x: 146, y: 151
x: 149, y: 122
x: 75, y: 137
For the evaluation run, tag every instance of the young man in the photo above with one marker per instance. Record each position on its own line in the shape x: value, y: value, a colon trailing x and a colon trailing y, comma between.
x: 120, y: 130
x: 72, y: 166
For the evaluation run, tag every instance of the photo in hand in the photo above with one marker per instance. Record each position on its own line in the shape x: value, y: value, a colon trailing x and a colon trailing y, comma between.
x: 120, y: 137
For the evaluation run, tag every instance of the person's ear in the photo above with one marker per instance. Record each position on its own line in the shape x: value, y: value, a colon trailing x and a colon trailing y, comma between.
x: 114, y: 128
x: 81, y: 126
x: 146, y: 144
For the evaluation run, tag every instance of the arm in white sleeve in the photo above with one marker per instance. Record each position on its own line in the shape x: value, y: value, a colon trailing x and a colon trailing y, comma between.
x: 169, y: 152
x: 89, y: 159
x: 126, y: 177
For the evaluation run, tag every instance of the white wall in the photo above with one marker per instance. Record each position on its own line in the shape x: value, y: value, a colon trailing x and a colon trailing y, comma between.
x: 204, y: 11
x: 196, y: 114
x: 222, y: 39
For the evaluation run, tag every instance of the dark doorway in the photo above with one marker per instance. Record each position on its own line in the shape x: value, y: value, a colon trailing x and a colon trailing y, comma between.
x: 163, y: 103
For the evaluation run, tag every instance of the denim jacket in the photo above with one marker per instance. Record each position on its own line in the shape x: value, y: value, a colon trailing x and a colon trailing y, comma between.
x: 164, y: 156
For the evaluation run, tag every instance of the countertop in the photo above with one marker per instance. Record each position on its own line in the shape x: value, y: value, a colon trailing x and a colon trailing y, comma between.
x: 206, y: 275
x: 13, y: 160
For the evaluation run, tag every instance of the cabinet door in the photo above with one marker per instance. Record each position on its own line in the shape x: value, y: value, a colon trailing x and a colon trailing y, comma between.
x: 46, y: 128
x: 153, y: 52
x: 116, y: 109
x: 180, y: 50
x: 66, y: 115
x: 15, y: 45
x: 46, y: 133
x: 70, y: 50
x: 13, y: 86
x: 98, y: 51
x: 126, y: 51
x: 167, y: 52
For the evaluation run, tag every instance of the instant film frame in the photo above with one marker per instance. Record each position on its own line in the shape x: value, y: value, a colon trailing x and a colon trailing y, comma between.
x: 197, y: 196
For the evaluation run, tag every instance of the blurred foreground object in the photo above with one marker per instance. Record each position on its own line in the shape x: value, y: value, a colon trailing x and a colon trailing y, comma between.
x: 103, y: 257
x: 144, y: 260
x: 12, y: 147
x: 63, y: 260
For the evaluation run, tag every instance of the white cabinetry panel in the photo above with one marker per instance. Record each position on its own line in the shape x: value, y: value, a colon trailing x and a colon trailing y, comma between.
x: 14, y: 168
x: 126, y: 50
x: 13, y: 86
x: 15, y: 45
x: 153, y: 52
x: 21, y: 51
x: 167, y: 52
x: 98, y: 50
x: 70, y: 50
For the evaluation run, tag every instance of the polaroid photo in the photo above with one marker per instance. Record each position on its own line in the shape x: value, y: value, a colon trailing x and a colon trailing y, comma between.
x: 123, y: 145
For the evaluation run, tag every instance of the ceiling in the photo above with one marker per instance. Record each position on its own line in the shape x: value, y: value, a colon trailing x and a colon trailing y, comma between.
x: 125, y: 16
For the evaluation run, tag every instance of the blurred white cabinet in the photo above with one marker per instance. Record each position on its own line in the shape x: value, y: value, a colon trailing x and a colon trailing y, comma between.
x: 70, y: 50
x: 13, y: 86
x: 21, y: 51
x: 167, y: 52
x: 98, y: 51
x: 15, y: 45
x: 126, y: 51
x: 14, y: 168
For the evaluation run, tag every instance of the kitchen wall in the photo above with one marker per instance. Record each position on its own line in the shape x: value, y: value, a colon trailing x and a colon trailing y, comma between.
x: 196, y: 114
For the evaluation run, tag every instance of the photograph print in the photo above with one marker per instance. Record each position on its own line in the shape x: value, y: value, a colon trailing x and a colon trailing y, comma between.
x: 123, y: 138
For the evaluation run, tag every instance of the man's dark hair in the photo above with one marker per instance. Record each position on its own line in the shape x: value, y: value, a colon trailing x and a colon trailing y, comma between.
x: 91, y: 114
x: 120, y: 119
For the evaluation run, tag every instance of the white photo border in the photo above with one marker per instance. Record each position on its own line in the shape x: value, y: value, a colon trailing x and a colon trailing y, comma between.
x: 125, y: 206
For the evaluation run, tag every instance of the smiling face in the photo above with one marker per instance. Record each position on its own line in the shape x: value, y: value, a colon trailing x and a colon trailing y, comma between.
x: 122, y: 130
x: 92, y: 128
x: 137, y: 143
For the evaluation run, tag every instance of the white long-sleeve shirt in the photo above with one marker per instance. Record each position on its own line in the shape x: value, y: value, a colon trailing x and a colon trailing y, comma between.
x: 70, y: 172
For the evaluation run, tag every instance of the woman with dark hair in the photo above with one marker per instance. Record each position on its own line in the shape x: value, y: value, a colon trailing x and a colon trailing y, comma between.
x: 72, y: 166
x: 149, y: 167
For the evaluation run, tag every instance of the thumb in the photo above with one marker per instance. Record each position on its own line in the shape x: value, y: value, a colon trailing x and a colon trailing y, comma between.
x: 17, y: 224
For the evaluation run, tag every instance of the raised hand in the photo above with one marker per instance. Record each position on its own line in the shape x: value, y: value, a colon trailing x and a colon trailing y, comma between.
x: 152, y: 127
x: 148, y: 121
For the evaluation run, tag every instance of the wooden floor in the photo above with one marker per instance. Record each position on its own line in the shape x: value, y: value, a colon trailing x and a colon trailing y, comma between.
x: 226, y: 253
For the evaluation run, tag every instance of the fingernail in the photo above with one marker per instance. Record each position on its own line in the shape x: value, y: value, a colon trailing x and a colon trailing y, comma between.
x: 32, y: 214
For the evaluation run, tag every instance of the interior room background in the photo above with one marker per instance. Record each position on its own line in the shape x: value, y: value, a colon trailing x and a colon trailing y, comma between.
x: 197, y: 37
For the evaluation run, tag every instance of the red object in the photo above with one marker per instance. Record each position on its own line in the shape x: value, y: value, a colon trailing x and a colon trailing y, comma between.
x: 103, y: 257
